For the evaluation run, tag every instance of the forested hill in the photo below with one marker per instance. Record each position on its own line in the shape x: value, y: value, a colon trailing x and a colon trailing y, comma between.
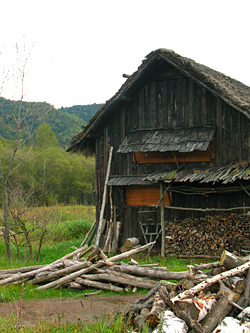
x: 65, y: 122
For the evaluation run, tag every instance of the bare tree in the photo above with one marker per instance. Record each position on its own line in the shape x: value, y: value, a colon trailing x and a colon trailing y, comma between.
x: 26, y: 123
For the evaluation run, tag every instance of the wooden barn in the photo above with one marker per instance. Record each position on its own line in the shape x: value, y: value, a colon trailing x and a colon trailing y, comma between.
x: 180, y: 133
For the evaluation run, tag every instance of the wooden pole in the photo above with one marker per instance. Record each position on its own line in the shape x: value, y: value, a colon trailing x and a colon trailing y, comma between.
x: 163, y: 232
x: 98, y: 233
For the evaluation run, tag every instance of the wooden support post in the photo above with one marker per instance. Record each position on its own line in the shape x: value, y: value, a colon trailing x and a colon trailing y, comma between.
x: 98, y: 233
x: 163, y: 232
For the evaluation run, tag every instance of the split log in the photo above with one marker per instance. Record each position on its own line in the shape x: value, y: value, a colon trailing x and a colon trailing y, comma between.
x: 193, y: 310
x: 130, y: 242
x: 153, y: 318
x: 210, y: 281
x: 220, y: 310
x: 98, y: 285
x: 237, y: 284
x: 230, y: 260
x: 150, y: 272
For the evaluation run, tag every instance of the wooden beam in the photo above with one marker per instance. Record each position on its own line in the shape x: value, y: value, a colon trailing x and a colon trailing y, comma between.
x: 163, y: 231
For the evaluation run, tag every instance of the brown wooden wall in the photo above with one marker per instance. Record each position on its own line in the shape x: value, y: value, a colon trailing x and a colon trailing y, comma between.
x: 168, y: 99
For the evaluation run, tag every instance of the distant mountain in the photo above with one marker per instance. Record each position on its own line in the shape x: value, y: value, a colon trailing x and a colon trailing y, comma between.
x: 65, y: 122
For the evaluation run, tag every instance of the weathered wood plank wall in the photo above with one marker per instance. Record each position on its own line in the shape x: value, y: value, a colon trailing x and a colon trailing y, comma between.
x: 168, y: 99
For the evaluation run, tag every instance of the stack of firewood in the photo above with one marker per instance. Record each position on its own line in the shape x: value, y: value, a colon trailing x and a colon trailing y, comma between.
x: 208, y: 235
x: 210, y: 301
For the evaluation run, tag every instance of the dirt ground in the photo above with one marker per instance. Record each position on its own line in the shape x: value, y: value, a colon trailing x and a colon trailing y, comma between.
x: 86, y: 309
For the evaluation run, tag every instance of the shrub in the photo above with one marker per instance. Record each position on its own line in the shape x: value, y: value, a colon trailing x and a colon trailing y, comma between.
x: 77, y: 228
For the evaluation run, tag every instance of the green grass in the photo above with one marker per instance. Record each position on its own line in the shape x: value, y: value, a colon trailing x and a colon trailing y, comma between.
x: 106, y: 325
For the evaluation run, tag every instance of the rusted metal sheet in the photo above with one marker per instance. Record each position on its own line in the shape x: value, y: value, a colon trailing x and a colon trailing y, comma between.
x: 183, y: 140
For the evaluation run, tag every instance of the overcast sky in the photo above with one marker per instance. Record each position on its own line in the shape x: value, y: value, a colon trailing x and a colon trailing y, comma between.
x: 78, y: 49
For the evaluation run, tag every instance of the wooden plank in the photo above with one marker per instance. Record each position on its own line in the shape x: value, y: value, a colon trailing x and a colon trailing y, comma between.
x: 167, y: 157
x: 148, y: 195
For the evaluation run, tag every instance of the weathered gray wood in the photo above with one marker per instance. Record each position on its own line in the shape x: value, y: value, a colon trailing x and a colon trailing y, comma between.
x: 230, y: 260
x: 71, y: 276
x: 61, y: 272
x: 153, y: 317
x: 98, y: 285
x: 149, y: 272
x: 21, y: 276
x: 98, y: 232
x: 88, y: 234
x: 125, y: 279
x: 163, y: 231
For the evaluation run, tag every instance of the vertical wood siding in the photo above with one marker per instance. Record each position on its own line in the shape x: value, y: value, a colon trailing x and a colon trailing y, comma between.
x: 167, y: 100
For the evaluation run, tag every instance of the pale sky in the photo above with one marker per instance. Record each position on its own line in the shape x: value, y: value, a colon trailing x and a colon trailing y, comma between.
x: 79, y: 49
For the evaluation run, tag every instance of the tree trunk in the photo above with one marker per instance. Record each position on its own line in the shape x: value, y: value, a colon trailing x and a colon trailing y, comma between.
x: 61, y: 272
x: 98, y: 285
x: 124, y: 279
x: 150, y: 272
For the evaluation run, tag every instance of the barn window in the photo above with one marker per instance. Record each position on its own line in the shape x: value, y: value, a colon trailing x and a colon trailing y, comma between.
x: 144, y: 195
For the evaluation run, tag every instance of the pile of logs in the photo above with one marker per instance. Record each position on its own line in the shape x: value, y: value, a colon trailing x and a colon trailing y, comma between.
x: 210, y: 301
x: 89, y: 267
x: 209, y: 235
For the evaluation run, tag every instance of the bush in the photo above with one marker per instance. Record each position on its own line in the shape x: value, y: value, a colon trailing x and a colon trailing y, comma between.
x: 77, y: 228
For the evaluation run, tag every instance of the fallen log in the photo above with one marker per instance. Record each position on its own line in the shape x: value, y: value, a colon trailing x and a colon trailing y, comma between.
x: 98, y: 285
x: 149, y: 272
x: 21, y: 276
x: 83, y: 271
x: 20, y: 269
x: 210, y: 281
x: 60, y: 272
x: 125, y: 279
